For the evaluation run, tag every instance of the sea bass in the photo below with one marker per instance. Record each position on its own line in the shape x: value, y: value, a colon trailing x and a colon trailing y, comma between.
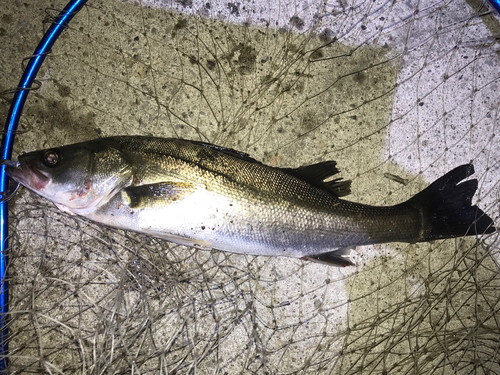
x: 210, y: 197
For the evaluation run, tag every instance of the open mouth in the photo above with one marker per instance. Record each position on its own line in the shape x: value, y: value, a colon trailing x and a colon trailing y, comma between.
x: 6, y: 195
x: 15, y: 170
x: 25, y: 174
x: 11, y: 163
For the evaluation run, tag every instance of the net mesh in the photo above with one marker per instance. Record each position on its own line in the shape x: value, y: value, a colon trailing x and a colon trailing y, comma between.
x: 397, y: 92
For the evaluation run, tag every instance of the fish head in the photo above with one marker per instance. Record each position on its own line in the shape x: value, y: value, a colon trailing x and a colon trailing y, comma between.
x: 75, y: 177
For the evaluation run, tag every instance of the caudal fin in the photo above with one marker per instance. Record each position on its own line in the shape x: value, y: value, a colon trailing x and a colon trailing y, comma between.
x: 446, y: 206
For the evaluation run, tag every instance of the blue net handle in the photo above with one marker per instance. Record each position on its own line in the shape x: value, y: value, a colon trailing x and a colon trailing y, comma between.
x: 15, y: 111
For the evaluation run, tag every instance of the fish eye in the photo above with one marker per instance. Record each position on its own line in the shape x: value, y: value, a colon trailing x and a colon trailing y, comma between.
x: 51, y: 158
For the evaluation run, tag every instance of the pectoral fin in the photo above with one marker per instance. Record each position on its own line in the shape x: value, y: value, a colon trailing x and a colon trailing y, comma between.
x: 338, y: 257
x: 156, y: 195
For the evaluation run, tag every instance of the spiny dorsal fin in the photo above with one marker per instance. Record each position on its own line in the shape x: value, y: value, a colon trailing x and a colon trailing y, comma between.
x: 316, y: 174
x: 227, y: 151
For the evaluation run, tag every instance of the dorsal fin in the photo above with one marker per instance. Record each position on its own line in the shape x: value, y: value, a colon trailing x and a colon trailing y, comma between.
x: 227, y: 151
x: 316, y: 174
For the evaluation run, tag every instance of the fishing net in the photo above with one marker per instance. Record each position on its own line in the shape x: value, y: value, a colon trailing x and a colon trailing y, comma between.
x: 397, y: 92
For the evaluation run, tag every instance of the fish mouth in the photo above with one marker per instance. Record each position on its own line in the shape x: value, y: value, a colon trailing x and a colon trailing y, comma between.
x: 26, y: 174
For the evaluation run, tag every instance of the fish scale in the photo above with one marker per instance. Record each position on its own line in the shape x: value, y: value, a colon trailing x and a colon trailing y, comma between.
x: 211, y: 197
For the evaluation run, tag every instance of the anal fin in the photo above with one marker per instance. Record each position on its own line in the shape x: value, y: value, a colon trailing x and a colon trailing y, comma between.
x: 339, y: 257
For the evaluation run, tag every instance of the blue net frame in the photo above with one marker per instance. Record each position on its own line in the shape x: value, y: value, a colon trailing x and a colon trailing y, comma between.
x: 15, y: 111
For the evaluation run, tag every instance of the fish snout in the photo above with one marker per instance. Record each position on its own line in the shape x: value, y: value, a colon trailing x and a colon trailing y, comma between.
x: 7, y: 195
x: 26, y: 174
x: 11, y: 163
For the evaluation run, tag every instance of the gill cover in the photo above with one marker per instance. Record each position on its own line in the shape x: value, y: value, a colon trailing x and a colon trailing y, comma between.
x: 76, y: 177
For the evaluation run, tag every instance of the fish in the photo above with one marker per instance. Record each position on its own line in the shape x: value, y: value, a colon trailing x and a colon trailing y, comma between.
x: 211, y: 197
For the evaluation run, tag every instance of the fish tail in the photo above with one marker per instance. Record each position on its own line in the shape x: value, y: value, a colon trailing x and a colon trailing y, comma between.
x: 446, y: 207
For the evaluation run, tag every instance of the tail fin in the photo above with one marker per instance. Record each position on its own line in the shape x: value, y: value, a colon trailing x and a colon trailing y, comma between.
x: 447, y: 209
